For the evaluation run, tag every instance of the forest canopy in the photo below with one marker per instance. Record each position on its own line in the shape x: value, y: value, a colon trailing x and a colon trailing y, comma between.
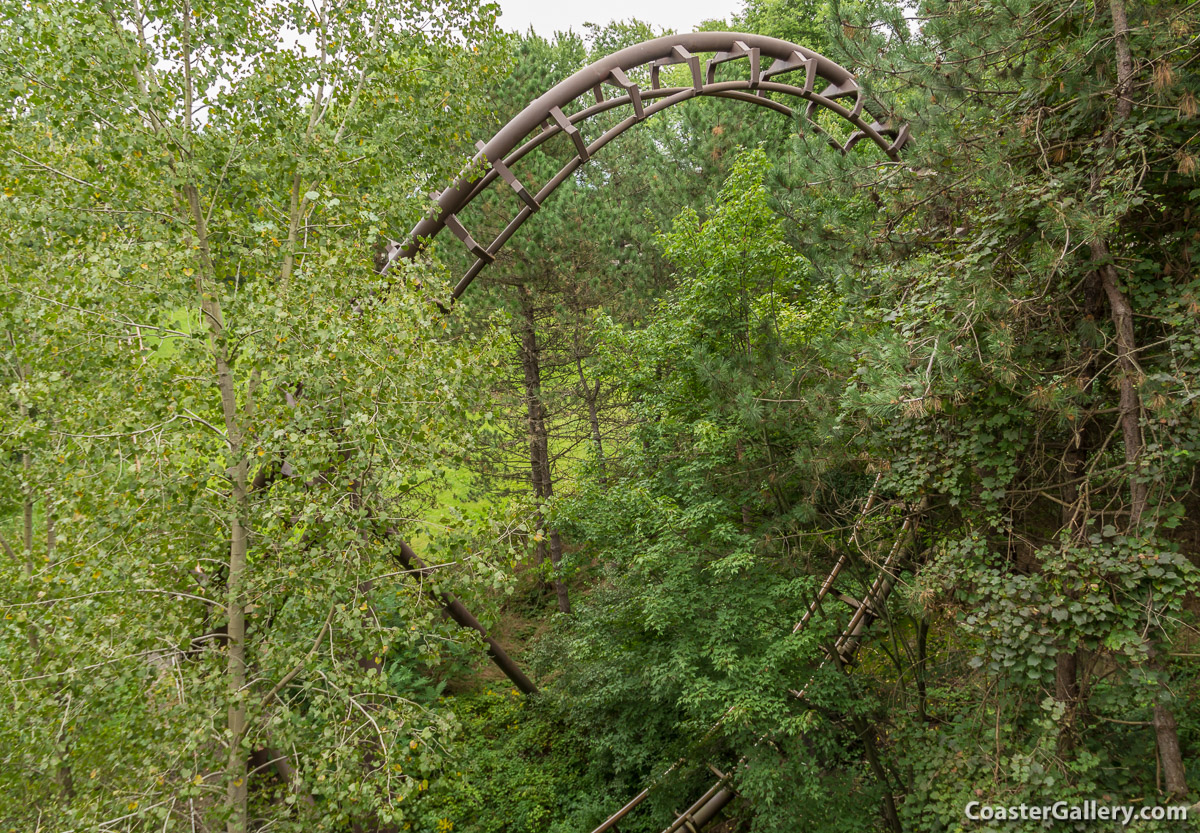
x: 785, y: 481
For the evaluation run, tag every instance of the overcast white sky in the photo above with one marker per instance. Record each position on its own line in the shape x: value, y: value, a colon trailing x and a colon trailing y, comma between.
x: 548, y: 16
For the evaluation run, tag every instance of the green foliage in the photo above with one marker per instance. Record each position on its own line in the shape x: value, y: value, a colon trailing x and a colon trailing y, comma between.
x: 220, y: 420
x: 522, y: 769
x: 702, y: 581
x: 192, y: 200
x: 954, y: 335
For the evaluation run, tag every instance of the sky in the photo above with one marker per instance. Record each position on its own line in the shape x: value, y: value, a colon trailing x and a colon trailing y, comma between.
x: 547, y: 16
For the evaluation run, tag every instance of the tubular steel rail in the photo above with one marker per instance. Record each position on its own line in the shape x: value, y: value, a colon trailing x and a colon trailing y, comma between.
x: 824, y: 84
x: 695, y: 817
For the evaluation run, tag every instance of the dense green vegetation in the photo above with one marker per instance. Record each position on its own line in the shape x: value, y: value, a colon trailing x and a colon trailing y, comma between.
x: 721, y: 362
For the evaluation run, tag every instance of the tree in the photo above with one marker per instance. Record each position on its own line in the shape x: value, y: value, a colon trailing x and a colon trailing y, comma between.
x: 205, y: 418
x: 716, y: 515
x: 1013, y: 373
x: 1012, y: 352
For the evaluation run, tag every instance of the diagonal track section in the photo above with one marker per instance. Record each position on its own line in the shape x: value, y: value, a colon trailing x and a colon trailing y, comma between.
x: 844, y: 649
x: 865, y: 611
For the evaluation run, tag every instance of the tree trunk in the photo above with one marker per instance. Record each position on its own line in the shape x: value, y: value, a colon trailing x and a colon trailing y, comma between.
x: 1124, y: 59
x: 1165, y: 728
x: 209, y: 301
x: 560, y: 589
x: 539, y: 441
x: 535, y: 418
x: 590, y: 395
x: 1066, y: 691
x: 236, y: 772
x: 1130, y: 399
x: 890, y: 815
x: 63, y: 776
x: 236, y: 664
x: 28, y: 519
x: 1130, y: 407
x: 27, y: 514
x: 1166, y: 733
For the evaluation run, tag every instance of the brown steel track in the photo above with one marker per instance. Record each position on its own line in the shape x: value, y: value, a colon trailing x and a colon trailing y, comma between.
x: 842, y: 650
x: 823, y: 84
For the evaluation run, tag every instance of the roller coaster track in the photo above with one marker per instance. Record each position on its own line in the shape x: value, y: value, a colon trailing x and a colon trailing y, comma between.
x: 560, y: 111
x: 824, y: 84
x: 842, y: 650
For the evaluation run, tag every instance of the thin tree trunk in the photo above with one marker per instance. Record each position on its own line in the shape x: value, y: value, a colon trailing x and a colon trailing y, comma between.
x: 1166, y: 732
x: 1130, y: 399
x: 889, y: 801
x: 236, y: 770
x: 560, y: 589
x: 208, y: 292
x: 1165, y: 728
x: 1066, y: 691
x: 535, y: 421
x: 590, y: 394
x: 539, y: 442
x: 27, y: 513
x: 1130, y: 408
x: 1124, y: 59
x: 65, y: 782
x: 210, y: 305
x: 62, y: 775
x: 294, y: 211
